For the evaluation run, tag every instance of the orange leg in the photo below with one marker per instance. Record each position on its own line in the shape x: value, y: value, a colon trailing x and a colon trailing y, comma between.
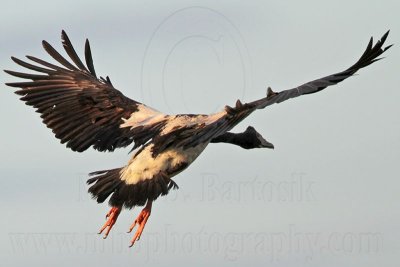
x: 141, y: 221
x: 112, y: 216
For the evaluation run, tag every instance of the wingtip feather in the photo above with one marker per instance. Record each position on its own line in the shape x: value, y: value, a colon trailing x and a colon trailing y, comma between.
x: 89, y: 58
x: 387, y: 47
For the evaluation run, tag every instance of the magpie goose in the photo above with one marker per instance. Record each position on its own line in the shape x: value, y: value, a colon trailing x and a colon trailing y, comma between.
x: 85, y: 111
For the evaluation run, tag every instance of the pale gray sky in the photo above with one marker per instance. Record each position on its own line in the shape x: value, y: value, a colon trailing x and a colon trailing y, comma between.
x: 326, y: 196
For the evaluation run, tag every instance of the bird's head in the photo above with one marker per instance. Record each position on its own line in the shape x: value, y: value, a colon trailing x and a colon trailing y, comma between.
x: 257, y: 141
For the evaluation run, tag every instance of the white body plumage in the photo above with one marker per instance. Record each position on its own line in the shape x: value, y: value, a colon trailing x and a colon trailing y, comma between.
x: 144, y: 166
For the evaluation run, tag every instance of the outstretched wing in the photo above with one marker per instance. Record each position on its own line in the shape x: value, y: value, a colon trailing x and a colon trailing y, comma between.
x: 81, y: 109
x: 231, y: 116
x: 370, y: 55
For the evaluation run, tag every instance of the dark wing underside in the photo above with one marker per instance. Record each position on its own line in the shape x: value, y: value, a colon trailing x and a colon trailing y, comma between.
x: 370, y: 55
x: 233, y: 115
x: 81, y: 109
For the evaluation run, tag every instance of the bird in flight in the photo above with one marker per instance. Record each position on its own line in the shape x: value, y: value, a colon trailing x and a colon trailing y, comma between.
x: 85, y: 111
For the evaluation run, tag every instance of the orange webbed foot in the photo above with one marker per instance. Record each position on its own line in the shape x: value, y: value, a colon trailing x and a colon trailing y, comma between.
x: 111, y: 217
x: 141, y: 220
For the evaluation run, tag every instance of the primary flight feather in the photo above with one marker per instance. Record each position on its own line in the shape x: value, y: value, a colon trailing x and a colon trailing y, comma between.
x: 85, y: 111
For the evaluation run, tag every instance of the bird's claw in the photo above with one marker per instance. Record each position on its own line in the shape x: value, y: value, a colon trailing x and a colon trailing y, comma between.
x: 112, y: 216
x: 141, y: 220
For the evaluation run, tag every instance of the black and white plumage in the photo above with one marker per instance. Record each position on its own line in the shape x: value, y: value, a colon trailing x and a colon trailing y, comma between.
x: 84, y: 111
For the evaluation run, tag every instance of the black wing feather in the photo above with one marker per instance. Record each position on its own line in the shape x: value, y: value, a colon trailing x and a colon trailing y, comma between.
x: 234, y: 115
x: 71, y: 51
x: 370, y: 55
x: 89, y: 59
x: 57, y: 56
x: 82, y: 111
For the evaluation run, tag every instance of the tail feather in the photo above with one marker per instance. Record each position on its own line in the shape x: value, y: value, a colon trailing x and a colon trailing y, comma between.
x: 108, y: 183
